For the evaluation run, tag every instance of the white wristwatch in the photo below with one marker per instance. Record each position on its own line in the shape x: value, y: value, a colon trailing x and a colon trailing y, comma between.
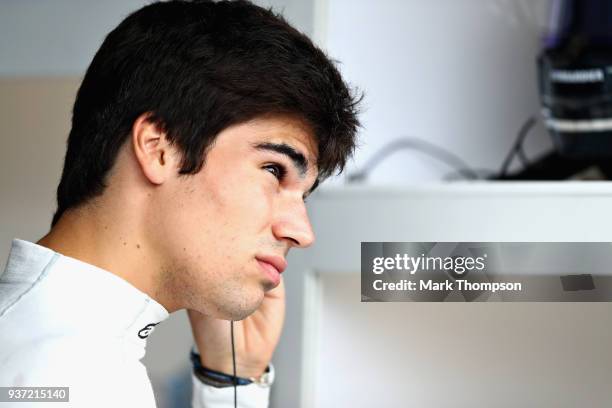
x: 266, y: 379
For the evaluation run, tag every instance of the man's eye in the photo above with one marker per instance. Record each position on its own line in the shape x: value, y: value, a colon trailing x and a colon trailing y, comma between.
x: 277, y: 170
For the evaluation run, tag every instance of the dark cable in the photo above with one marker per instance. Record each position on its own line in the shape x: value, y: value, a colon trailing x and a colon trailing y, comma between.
x: 414, y: 143
x: 460, y: 168
x: 521, y: 155
x: 517, y: 147
x: 234, y: 363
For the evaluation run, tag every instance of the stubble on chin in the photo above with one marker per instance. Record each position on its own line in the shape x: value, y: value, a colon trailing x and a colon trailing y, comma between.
x: 212, y: 294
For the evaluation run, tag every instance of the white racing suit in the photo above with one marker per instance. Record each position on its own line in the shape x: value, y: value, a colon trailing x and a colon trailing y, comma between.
x: 66, y: 323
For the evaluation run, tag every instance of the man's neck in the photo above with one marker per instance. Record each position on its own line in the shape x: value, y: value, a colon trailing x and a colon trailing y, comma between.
x: 116, y: 247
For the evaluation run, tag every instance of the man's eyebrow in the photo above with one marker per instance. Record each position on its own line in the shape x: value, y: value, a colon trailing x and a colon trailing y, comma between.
x: 298, y: 159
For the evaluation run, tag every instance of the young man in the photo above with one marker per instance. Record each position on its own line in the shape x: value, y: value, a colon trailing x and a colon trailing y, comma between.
x: 197, y: 133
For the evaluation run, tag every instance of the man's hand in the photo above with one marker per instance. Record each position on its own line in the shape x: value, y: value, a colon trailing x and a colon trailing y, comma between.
x: 255, y: 337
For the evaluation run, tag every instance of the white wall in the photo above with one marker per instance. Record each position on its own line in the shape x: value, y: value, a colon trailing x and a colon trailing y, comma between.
x: 459, y: 73
x: 438, y: 355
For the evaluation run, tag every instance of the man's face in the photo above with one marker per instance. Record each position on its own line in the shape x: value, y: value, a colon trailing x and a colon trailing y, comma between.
x: 222, y: 230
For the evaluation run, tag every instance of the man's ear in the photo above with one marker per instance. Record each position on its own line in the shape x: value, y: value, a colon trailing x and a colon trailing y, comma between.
x: 156, y: 157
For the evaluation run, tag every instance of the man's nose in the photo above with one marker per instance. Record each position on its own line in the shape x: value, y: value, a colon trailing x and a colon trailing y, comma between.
x: 293, y: 225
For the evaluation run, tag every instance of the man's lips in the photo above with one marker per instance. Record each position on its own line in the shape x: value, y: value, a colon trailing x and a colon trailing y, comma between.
x: 278, y: 262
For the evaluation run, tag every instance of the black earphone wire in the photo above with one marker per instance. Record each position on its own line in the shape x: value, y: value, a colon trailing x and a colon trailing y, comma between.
x: 234, y: 363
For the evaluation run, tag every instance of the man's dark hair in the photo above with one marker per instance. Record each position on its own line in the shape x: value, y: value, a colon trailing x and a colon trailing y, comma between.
x: 198, y: 67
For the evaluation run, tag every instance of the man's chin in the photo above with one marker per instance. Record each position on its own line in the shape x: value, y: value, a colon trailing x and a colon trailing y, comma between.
x: 242, y: 310
x: 236, y: 315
